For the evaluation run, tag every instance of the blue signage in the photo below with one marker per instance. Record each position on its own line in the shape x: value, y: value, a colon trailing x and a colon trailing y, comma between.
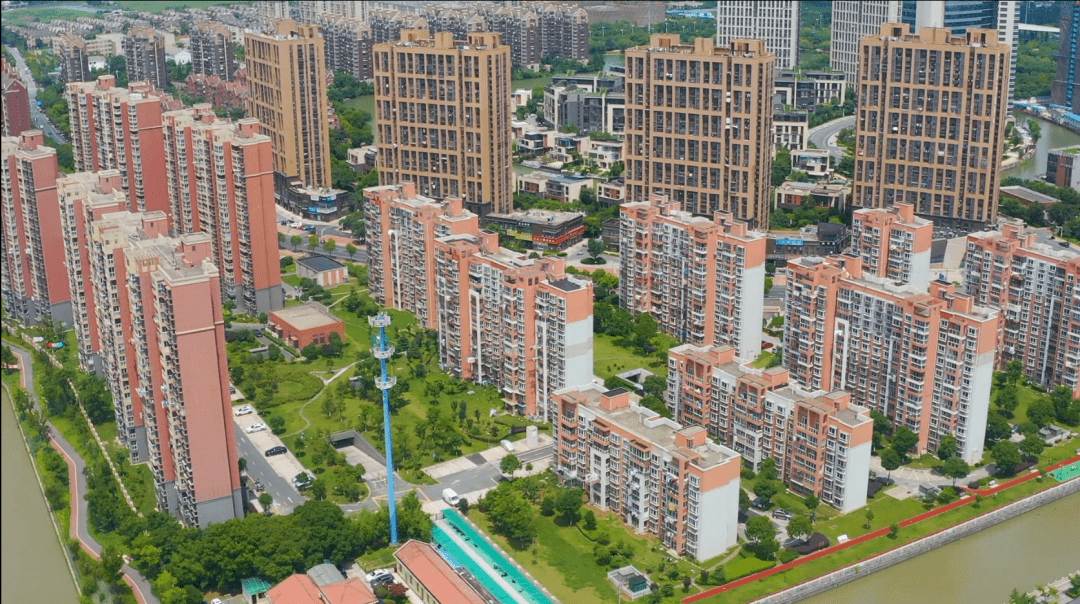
x: 790, y: 242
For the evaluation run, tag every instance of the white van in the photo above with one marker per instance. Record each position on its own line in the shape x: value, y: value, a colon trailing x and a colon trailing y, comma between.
x: 450, y: 496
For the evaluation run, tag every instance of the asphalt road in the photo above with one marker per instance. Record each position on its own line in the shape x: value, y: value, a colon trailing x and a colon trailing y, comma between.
x: 258, y: 468
x: 823, y: 134
x: 36, y: 114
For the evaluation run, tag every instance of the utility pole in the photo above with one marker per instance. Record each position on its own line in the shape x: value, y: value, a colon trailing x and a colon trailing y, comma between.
x: 382, y: 350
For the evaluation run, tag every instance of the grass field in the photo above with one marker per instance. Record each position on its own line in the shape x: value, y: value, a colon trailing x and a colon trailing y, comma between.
x: 610, y: 358
x: 44, y: 14
x: 152, y: 6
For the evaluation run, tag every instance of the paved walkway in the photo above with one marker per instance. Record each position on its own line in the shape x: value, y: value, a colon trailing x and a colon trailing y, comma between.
x: 77, y: 478
x: 912, y: 478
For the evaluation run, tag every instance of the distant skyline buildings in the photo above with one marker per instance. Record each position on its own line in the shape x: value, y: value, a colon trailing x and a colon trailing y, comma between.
x: 852, y: 20
x: 1065, y: 89
x: 144, y: 57
x: 775, y: 21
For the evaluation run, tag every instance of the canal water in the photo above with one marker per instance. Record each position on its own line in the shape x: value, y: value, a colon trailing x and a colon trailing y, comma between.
x: 1053, y: 136
x: 32, y: 561
x: 1035, y: 548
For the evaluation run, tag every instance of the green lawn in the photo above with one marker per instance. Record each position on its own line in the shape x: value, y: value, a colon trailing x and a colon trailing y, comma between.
x: 886, y: 511
x: 610, y: 358
x: 748, y: 565
x: 26, y: 16
x: 154, y: 6
x: 764, y: 360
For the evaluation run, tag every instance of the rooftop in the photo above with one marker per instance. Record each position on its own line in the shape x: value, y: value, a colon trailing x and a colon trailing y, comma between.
x: 307, y: 316
x: 566, y: 285
x: 535, y: 216
x: 1028, y: 195
x: 445, y: 586
x: 320, y: 263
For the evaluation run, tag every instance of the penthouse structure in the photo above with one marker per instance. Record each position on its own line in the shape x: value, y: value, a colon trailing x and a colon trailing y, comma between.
x: 33, y: 279
x: 1035, y: 282
x: 401, y: 232
x: 443, y: 118
x: 74, y: 59
x: 702, y: 280
x: 893, y: 243
x: 144, y: 55
x: 931, y: 118
x: 212, y: 52
x: 348, y: 45
x: 660, y: 477
x: 774, y: 21
x: 820, y: 441
x: 699, y: 125
x: 522, y: 325
x: 14, y: 101
x: 923, y: 359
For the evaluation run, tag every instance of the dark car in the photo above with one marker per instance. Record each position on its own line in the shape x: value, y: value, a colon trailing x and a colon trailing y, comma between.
x: 278, y: 450
x: 382, y: 579
x: 782, y: 514
x: 761, y: 503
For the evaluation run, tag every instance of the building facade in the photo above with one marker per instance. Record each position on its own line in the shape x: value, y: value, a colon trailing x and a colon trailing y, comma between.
x: 924, y: 359
x: 541, y: 230
x: 443, y: 117
x: 807, y: 90
x: 774, y: 21
x: 1065, y: 90
x: 852, y: 20
x: 699, y: 125
x: 74, y: 59
x: 930, y: 122
x: 14, y: 102
x: 702, y: 280
x: 287, y: 93
x: 212, y: 51
x: 660, y: 477
x: 1063, y: 167
x: 1034, y: 282
x: 144, y: 56
x: 893, y: 243
x: 348, y: 45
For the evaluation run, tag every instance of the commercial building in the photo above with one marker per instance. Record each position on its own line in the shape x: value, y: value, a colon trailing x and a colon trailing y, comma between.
x: 774, y: 21
x: 1034, y: 281
x: 852, y: 20
x: 1063, y: 167
x: 443, y: 117
x: 930, y: 123
x: 820, y: 441
x: 923, y: 359
x: 810, y: 89
x: 701, y: 279
x: 699, y: 125
x: 15, y: 101
x: 792, y: 195
x: 1065, y: 90
x: 893, y: 243
x: 323, y: 270
x: 541, y: 230
x: 429, y: 576
x: 33, y: 279
x: 522, y: 325
x: 660, y: 477
x: 301, y: 326
x: 144, y: 56
x: 212, y: 51
x: 400, y: 237
x: 74, y: 58
x: 287, y: 77
x: 348, y: 45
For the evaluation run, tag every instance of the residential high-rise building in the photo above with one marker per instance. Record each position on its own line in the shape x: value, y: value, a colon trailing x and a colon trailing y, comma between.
x: 348, y: 45
x: 893, y: 243
x: 1065, y: 89
x: 699, y: 125
x: 274, y: 9
x: 144, y: 55
x: 74, y: 60
x: 1063, y: 167
x: 310, y: 12
x: 1035, y: 283
x: 522, y: 325
x: 443, y: 117
x: 931, y: 118
x: 33, y: 279
x: 774, y: 21
x: 540, y: 29
x: 287, y: 74
x: 852, y: 20
x: 820, y: 441
x: 400, y: 236
x: 923, y: 359
x: 212, y: 51
x: 14, y: 102
x: 660, y: 477
x: 388, y: 23
x: 702, y: 280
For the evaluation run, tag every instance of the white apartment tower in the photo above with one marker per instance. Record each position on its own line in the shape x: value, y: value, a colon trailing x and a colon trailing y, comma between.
x: 851, y: 20
x: 775, y: 21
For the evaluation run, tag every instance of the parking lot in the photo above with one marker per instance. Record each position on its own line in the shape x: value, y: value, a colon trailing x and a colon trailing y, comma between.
x: 286, y: 465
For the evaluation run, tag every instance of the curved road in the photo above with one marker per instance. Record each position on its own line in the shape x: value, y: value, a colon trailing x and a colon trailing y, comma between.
x: 138, y: 583
x: 822, y: 136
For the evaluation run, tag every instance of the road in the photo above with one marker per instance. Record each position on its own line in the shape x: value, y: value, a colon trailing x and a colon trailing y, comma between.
x: 823, y: 136
x: 36, y: 114
x: 258, y: 468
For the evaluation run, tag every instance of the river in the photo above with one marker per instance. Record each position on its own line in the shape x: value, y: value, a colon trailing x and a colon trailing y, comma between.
x: 32, y: 560
x: 1053, y: 136
x: 1032, y: 549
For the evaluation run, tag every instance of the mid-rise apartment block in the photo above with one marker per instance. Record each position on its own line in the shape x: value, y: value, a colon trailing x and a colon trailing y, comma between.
x: 1035, y: 283
x: 287, y: 76
x: 820, y: 440
x: 1063, y: 167
x: 14, y: 101
x: 310, y: 12
x: 212, y: 51
x: 922, y: 358
x: 33, y: 279
x: 702, y: 280
x: 774, y: 21
x: 1065, y: 90
x: 144, y: 56
x: 893, y: 243
x: 348, y: 45
x: 930, y: 123
x: 401, y: 232
x: 852, y: 20
x: 660, y: 477
x: 443, y: 117
x: 699, y: 125
x: 74, y: 59
x: 388, y: 23
x: 522, y: 325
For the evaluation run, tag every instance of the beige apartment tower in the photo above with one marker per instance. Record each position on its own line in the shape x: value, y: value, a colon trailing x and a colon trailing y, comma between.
x: 931, y: 119
x: 287, y: 75
x: 699, y: 125
x: 442, y: 115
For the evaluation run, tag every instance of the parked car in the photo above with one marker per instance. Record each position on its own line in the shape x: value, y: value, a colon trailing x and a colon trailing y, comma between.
x: 256, y: 428
x: 509, y: 446
x: 382, y: 580
x: 760, y: 503
x: 243, y: 410
x: 232, y: 389
x: 782, y: 514
x: 303, y: 480
x: 375, y: 574
x: 450, y: 496
x: 296, y: 224
x: 278, y: 450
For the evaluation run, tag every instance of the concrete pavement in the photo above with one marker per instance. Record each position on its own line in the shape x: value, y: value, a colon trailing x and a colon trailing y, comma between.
x: 824, y: 136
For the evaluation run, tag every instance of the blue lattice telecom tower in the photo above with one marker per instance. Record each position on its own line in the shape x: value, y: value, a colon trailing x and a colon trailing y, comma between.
x: 382, y: 350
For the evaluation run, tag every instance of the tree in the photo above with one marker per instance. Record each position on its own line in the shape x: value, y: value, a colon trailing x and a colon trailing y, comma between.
x: 329, y: 245
x: 869, y: 517
x: 812, y: 502
x: 894, y: 530
x: 955, y: 468
x: 596, y: 247
x: 997, y: 429
x: 761, y: 532
x: 768, y: 469
x: 1041, y: 412
x: 1032, y: 446
x: 766, y: 488
x: 111, y: 563
x: 1066, y: 407
x: 547, y: 505
x: 8, y: 357
x: 318, y: 489
x: 890, y: 460
x: 568, y: 503
x: 1014, y: 370
x: 589, y: 520
x: 800, y: 527
x: 645, y: 330
x: 947, y: 448
x: 313, y: 242
x: 350, y: 249
x: 1018, y: 598
x: 510, y: 464
x: 1008, y: 399
x: 511, y: 515
x: 296, y: 240
x: 781, y: 166
x: 1006, y: 457
x: 904, y: 440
